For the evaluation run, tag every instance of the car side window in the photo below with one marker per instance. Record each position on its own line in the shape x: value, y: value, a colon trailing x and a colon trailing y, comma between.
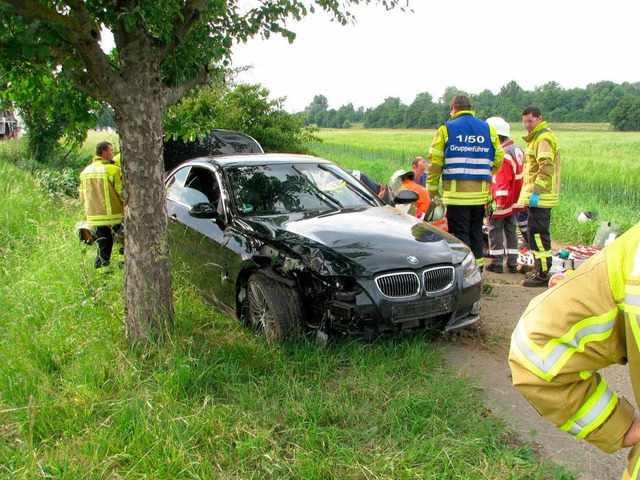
x: 175, y: 186
x: 201, y: 186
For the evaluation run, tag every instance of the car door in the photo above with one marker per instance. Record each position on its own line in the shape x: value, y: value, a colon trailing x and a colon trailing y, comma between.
x: 198, y: 245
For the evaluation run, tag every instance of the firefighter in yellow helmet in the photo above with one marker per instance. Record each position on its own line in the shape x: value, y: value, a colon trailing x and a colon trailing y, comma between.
x: 101, y: 195
x: 589, y: 321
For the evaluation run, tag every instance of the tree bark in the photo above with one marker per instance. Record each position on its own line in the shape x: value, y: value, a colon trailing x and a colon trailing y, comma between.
x: 147, y: 288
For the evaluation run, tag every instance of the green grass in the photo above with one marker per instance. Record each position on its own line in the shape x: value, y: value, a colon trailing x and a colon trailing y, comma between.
x: 213, y: 400
x: 600, y: 170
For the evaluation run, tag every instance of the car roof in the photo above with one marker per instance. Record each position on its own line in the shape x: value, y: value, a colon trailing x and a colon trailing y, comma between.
x: 255, y: 159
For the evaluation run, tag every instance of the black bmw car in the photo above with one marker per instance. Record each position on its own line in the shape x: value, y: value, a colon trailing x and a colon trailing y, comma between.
x: 293, y: 244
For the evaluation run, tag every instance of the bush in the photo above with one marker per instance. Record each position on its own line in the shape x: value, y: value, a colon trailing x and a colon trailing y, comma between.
x: 58, y: 177
x: 55, y: 183
x: 626, y: 115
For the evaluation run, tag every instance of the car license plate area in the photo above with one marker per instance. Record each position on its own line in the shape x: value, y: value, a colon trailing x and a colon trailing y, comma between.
x: 426, y: 308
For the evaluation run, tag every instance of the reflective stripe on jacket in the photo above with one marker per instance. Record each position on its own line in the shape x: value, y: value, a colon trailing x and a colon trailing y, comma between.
x: 101, y: 193
x: 460, y: 189
x: 584, y: 324
x: 542, y: 167
x: 507, y: 183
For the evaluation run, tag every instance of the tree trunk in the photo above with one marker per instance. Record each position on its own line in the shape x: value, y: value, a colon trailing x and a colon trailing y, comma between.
x: 147, y: 286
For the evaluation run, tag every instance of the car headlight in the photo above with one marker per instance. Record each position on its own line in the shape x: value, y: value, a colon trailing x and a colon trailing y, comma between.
x: 470, y: 271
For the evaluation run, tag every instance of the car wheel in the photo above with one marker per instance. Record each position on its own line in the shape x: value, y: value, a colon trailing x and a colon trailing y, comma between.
x: 273, y: 309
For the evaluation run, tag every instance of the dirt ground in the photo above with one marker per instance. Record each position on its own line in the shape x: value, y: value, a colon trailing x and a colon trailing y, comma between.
x: 480, y: 353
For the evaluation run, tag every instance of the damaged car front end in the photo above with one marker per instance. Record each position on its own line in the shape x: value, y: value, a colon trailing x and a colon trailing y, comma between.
x: 293, y: 243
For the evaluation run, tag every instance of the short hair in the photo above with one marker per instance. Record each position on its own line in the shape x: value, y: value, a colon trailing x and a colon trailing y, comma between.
x: 417, y: 160
x: 460, y: 102
x: 101, y: 147
x: 535, y: 111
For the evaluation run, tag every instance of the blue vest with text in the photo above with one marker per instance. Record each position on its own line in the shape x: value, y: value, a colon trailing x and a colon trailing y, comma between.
x: 469, y: 153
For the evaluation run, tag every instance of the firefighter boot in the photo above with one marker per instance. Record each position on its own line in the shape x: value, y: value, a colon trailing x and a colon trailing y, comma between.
x: 539, y: 278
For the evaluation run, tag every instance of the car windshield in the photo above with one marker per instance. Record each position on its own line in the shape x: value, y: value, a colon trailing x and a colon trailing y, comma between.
x: 287, y: 188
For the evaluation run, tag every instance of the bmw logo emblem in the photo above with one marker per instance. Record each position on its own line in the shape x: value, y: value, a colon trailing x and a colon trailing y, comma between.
x: 412, y: 260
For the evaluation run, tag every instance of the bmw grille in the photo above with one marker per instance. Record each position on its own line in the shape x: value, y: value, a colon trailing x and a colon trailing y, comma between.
x: 407, y: 284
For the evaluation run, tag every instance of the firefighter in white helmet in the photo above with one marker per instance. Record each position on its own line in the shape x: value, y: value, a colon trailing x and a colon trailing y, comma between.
x: 566, y: 335
x: 505, y: 189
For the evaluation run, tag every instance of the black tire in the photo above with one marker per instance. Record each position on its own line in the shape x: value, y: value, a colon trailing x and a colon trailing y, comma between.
x: 273, y: 309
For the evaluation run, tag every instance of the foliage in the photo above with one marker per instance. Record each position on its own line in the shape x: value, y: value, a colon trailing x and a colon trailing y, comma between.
x: 318, y: 104
x: 592, y: 104
x: 164, y: 48
x: 51, y: 107
x: 423, y: 113
x: 389, y: 114
x: 58, y: 182
x: 626, y: 115
x: 106, y: 118
x: 244, y: 108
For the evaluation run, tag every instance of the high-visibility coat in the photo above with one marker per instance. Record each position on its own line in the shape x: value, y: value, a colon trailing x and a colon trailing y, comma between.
x: 589, y: 321
x: 542, y: 167
x: 101, y: 193
x: 464, y: 161
x: 118, y: 160
x: 507, y: 183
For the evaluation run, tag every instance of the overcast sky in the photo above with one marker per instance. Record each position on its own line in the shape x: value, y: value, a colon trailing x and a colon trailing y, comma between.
x: 470, y: 44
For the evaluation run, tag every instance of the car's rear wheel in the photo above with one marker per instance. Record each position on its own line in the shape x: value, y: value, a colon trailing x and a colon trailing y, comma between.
x: 274, y: 309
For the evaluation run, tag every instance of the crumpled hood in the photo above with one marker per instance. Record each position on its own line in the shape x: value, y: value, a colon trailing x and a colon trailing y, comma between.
x: 362, y: 242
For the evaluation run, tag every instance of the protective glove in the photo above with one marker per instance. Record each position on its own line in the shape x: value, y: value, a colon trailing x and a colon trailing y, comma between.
x: 534, y: 199
x: 420, y: 214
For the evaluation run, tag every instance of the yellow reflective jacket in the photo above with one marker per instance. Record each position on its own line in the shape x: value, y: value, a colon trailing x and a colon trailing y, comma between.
x: 542, y: 167
x: 588, y: 322
x: 101, y: 193
x: 459, y: 192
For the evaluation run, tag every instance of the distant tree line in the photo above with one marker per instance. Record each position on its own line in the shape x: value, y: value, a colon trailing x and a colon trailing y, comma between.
x: 608, y: 102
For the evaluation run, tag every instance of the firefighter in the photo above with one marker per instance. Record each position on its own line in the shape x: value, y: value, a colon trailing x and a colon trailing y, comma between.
x: 505, y: 190
x: 589, y: 321
x: 101, y: 195
x: 464, y: 154
x: 540, y: 191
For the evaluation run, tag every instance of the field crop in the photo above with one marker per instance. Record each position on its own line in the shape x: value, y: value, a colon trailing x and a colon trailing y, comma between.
x: 600, y: 169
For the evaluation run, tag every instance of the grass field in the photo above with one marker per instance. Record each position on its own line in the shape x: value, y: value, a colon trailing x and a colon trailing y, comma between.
x: 600, y: 169
x: 213, y: 401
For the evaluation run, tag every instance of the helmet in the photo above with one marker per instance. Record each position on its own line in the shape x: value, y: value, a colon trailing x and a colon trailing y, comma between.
x: 396, y: 181
x: 437, y: 210
x: 501, y: 126
x: 584, y: 217
x: 86, y: 234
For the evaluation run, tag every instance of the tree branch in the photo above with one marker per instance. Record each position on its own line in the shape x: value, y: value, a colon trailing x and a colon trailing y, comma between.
x: 190, y: 15
x: 175, y: 93
x: 83, y: 38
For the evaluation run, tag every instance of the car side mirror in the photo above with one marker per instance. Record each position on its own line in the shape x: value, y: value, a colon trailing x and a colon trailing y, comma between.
x: 405, y: 196
x: 203, y: 210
